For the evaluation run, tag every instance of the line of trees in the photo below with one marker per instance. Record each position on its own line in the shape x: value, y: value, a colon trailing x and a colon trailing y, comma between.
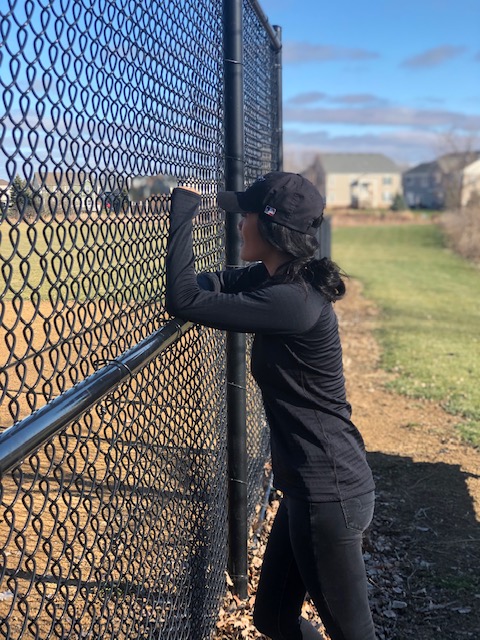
x: 22, y: 201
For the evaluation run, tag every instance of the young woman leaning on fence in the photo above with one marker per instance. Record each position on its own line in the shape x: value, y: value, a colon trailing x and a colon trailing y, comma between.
x: 285, y: 298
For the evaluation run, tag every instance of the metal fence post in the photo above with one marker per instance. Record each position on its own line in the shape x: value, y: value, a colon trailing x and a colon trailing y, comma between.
x: 279, y: 70
x: 324, y: 237
x: 236, y: 344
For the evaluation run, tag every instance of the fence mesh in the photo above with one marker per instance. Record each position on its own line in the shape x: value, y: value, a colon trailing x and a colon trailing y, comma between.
x: 116, y: 527
x: 95, y: 93
x: 261, y: 156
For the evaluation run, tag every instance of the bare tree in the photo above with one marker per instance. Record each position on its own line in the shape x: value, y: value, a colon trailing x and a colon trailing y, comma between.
x: 456, y: 153
x: 461, y: 222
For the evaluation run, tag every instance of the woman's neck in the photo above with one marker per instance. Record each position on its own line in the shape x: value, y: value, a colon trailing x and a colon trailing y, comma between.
x: 276, y: 260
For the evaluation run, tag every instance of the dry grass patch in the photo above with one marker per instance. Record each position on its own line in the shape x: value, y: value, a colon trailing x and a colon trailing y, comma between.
x: 462, y: 229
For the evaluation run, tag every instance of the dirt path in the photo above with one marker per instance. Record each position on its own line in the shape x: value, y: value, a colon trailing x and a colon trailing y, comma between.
x: 423, y: 551
x: 390, y: 423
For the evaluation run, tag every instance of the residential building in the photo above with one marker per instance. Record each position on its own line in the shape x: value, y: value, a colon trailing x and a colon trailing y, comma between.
x: 4, y: 188
x: 358, y: 180
x: 450, y: 181
x: 82, y: 191
x: 471, y: 182
x: 67, y: 181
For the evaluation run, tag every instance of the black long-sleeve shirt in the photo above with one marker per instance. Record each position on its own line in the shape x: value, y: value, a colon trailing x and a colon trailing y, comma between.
x: 317, y: 452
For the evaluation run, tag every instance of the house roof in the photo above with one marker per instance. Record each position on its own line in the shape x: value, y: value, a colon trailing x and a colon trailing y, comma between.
x: 54, y: 179
x: 456, y: 161
x: 425, y: 167
x: 356, y: 163
x: 446, y: 163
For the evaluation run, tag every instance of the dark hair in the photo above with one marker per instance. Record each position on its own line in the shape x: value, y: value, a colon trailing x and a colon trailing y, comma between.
x: 322, y: 274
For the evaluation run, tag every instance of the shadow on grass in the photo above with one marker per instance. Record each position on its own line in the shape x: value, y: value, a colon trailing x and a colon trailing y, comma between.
x: 423, y: 551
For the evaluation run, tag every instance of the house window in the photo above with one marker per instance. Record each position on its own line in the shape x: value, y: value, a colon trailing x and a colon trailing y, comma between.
x: 387, y: 196
x: 410, y: 197
x: 387, y: 180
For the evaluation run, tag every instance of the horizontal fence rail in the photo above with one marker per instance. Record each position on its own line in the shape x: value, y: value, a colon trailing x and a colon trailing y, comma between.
x: 25, y: 437
x: 113, y: 420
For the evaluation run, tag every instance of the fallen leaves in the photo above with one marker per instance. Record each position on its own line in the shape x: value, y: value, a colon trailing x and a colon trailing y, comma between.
x: 393, y: 567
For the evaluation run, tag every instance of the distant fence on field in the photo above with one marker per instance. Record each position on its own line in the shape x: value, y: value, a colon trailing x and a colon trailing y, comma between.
x: 113, y: 495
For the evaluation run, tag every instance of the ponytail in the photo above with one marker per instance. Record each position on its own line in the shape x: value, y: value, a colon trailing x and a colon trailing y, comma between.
x: 325, y: 276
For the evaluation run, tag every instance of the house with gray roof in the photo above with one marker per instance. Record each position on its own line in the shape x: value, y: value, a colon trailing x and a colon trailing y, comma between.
x: 358, y: 180
x: 451, y: 181
x: 4, y: 189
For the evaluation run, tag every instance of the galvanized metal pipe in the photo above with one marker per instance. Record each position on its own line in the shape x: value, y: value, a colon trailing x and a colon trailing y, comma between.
x: 279, y: 72
x: 276, y: 41
x: 236, y: 342
x: 24, y: 437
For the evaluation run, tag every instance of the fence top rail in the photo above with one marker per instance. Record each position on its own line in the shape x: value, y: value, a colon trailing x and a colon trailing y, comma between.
x: 23, y: 438
x: 276, y: 44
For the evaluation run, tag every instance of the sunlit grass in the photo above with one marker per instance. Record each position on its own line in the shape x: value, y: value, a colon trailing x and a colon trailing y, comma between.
x: 430, y: 322
x: 80, y: 260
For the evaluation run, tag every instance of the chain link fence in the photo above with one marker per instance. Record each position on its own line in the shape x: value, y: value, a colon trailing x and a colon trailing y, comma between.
x: 262, y: 108
x: 114, y: 525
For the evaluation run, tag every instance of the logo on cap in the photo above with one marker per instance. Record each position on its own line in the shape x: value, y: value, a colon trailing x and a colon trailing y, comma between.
x: 270, y: 211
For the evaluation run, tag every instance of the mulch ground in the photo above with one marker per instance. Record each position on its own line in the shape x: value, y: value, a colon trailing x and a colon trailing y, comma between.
x: 422, y: 552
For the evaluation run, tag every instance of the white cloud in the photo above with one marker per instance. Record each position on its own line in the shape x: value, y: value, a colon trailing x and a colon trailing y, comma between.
x: 307, y: 98
x: 433, y: 57
x: 303, y: 99
x: 405, y: 147
x: 297, y: 52
x: 385, y: 116
x: 357, y: 98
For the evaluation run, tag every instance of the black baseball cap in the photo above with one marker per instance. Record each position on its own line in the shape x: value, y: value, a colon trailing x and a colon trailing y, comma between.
x: 288, y: 199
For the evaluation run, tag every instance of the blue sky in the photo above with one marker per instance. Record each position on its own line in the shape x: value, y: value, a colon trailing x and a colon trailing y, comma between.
x: 383, y: 76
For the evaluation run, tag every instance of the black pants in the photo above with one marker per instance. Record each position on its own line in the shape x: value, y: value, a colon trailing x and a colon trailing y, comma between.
x: 316, y: 548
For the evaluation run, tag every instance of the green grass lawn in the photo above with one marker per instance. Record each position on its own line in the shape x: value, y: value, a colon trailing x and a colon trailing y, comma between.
x: 79, y: 260
x: 430, y: 322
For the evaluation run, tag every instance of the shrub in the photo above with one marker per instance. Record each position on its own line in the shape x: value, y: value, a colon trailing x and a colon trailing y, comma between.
x: 398, y: 203
x: 20, y: 193
x: 462, y: 229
